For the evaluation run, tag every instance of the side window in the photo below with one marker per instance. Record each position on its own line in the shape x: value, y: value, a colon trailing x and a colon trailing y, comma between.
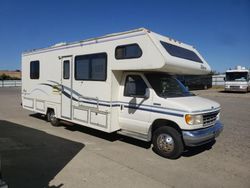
x: 91, y: 67
x: 66, y: 69
x: 34, y: 70
x: 98, y: 68
x: 128, y: 51
x: 180, y: 52
x: 82, y: 68
x: 134, y: 86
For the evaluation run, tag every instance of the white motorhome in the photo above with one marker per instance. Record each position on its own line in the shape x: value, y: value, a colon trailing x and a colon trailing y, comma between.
x: 237, y: 79
x: 124, y: 83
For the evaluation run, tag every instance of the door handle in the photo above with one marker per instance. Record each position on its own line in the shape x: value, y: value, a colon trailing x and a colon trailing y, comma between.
x: 122, y: 106
x: 157, y: 104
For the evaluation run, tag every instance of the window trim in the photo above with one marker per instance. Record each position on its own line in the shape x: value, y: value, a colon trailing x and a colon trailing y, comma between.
x: 125, y: 45
x: 31, y: 77
x: 106, y: 65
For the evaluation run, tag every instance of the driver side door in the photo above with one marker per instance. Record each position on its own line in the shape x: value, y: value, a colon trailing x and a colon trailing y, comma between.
x: 135, y: 98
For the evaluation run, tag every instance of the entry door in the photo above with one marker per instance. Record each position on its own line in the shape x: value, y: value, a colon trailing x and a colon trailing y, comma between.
x: 135, y: 110
x: 66, y: 95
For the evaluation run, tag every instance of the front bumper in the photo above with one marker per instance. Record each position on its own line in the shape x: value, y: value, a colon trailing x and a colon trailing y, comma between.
x: 236, y: 89
x: 202, y: 136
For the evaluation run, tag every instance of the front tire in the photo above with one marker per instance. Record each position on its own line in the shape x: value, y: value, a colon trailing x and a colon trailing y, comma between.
x: 167, y: 142
x: 51, y: 117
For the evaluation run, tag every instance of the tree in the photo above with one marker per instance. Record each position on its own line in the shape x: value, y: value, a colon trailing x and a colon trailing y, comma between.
x: 4, y: 77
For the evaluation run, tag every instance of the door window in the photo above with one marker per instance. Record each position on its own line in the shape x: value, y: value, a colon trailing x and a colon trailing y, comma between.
x: 34, y: 70
x: 66, y: 69
x: 135, y: 86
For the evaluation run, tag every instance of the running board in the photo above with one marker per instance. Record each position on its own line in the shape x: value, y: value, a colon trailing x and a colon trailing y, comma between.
x: 138, y: 136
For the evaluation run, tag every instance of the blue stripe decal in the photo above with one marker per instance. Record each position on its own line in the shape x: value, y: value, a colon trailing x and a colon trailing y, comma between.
x: 152, y: 106
x: 137, y: 108
x: 116, y: 103
x: 95, y: 103
x: 155, y: 111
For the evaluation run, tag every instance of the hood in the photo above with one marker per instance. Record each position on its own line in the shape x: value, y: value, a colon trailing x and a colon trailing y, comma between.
x: 193, y: 104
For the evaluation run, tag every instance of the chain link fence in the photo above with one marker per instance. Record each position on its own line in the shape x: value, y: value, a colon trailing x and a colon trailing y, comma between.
x: 218, y: 80
x: 10, y: 83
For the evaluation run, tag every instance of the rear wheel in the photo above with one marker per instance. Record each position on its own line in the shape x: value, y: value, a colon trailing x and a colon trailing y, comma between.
x: 167, y: 142
x: 51, y: 117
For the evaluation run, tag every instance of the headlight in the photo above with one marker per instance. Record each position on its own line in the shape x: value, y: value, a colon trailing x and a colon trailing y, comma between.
x: 218, y: 116
x: 243, y: 87
x: 194, y: 119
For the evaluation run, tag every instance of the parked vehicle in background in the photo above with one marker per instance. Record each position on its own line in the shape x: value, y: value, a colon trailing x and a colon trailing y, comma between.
x: 123, y: 83
x: 195, y: 82
x: 237, y: 79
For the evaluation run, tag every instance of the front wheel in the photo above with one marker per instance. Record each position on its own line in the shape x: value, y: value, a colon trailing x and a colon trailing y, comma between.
x: 167, y: 142
x: 51, y: 117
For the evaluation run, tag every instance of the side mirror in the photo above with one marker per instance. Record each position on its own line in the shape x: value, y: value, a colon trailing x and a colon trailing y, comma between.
x: 147, y: 93
x: 224, y: 78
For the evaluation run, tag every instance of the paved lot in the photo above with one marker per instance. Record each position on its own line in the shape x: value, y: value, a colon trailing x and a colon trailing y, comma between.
x: 35, y: 154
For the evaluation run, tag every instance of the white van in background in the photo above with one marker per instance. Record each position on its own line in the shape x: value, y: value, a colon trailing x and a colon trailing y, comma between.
x: 123, y: 83
x: 237, y: 79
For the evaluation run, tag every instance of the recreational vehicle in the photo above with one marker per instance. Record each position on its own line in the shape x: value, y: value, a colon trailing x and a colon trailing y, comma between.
x: 237, y: 79
x: 125, y: 83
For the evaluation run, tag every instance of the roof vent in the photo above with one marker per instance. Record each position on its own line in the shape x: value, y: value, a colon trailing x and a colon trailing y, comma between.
x: 59, y: 44
x: 238, y: 67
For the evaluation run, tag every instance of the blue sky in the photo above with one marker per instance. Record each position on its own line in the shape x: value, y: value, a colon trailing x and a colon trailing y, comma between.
x: 220, y: 30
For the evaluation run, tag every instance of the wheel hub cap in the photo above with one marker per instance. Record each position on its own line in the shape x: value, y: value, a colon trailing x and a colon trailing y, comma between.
x: 165, y: 143
x: 53, y: 118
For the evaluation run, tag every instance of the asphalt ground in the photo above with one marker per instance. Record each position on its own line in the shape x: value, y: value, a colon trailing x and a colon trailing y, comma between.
x: 35, y: 154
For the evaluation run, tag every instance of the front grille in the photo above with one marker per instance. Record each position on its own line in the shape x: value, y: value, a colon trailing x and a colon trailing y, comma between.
x: 234, y: 87
x: 210, y: 118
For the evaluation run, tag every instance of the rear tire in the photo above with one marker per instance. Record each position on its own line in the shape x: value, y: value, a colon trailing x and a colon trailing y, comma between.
x: 51, y: 117
x: 167, y: 142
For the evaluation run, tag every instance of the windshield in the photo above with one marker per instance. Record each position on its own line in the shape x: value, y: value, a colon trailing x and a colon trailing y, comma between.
x: 236, y: 76
x: 167, y: 86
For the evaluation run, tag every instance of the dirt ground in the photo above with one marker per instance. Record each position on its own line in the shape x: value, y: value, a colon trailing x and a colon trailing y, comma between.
x: 35, y: 154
